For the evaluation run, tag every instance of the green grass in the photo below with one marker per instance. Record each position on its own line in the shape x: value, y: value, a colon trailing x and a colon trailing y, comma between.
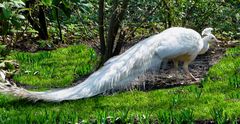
x: 57, y: 68
x: 218, y: 100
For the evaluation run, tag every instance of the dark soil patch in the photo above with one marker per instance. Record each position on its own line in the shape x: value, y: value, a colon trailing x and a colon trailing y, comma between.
x: 31, y: 44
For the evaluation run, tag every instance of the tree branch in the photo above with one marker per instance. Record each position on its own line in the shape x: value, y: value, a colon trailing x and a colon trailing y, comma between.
x: 115, y: 22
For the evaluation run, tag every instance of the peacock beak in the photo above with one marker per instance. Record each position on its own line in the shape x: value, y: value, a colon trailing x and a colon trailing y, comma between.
x: 217, y: 40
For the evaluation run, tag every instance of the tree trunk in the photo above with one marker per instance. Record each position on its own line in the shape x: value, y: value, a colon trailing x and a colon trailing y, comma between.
x: 112, y: 31
x: 42, y: 31
x: 115, y: 21
x: 43, y: 23
x: 59, y: 25
x: 120, y: 42
x: 101, y: 26
x: 169, y: 13
x: 107, y: 48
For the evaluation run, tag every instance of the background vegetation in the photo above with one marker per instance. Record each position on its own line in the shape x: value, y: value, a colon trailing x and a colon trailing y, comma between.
x: 72, y: 21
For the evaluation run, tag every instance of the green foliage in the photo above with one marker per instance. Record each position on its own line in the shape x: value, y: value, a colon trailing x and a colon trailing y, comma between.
x: 54, y: 68
x: 221, y: 15
x: 235, y: 80
x: 64, y: 13
x: 3, y: 51
x: 219, y: 116
x: 47, y: 2
x: 45, y: 43
x: 10, y: 16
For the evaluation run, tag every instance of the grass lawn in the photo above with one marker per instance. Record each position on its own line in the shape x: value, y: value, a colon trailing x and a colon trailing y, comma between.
x: 217, y: 99
x: 57, y: 68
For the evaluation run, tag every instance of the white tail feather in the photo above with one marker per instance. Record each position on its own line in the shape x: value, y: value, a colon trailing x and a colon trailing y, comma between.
x: 117, y: 74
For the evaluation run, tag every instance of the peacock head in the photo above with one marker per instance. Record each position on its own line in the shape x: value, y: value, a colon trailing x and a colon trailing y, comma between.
x: 207, y: 31
x: 208, y: 36
x: 211, y: 38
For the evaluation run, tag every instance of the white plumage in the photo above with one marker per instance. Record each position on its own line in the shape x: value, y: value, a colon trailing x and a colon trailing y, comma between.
x: 177, y: 44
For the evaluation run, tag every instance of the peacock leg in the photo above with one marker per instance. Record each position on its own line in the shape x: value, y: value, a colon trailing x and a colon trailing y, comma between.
x: 185, y: 68
x: 175, y: 62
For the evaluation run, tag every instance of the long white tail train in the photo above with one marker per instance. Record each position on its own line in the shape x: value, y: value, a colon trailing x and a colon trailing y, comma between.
x: 179, y: 44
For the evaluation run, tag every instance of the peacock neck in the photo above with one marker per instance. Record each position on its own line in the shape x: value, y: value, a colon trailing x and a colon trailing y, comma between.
x: 205, y: 45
